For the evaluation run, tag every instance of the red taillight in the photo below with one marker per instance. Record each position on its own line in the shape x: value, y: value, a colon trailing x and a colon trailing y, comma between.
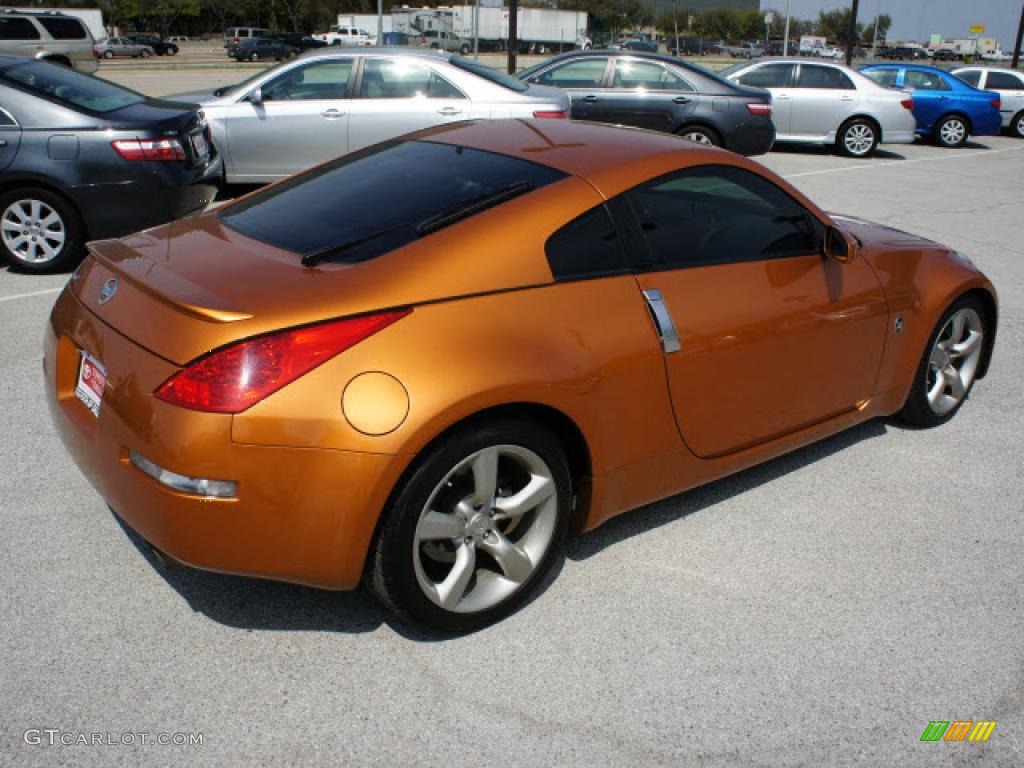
x: 907, y: 103
x: 759, y: 108
x: 558, y: 114
x: 997, y: 103
x: 239, y: 376
x: 149, y: 149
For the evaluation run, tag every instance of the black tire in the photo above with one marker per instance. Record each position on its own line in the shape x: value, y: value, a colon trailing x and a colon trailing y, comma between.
x: 700, y: 134
x: 254, y: 56
x: 1017, y: 125
x: 857, y: 138
x: 173, y: 50
x: 464, y: 49
x: 24, y: 255
x: 918, y: 411
x: 392, y: 573
x: 144, y: 53
x: 951, y: 131
x: 108, y: 54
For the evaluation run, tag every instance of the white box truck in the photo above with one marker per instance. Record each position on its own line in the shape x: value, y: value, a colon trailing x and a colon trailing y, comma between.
x: 540, y: 30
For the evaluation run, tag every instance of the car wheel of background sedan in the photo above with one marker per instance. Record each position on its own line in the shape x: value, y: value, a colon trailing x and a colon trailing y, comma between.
x: 464, y: 49
x: 108, y: 54
x: 144, y: 54
x: 857, y: 138
x: 951, y: 132
x: 254, y: 56
x: 475, y: 527
x: 1017, y: 125
x: 39, y: 230
x: 946, y: 373
x: 700, y: 135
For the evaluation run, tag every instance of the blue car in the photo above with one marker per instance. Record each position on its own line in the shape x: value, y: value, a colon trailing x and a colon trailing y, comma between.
x: 946, y: 108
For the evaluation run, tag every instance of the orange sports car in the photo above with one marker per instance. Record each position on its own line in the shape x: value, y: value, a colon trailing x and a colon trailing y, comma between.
x: 421, y: 365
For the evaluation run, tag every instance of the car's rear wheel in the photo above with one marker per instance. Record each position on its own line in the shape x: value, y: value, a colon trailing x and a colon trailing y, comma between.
x: 951, y: 132
x: 464, y: 49
x: 108, y: 54
x: 1017, y: 125
x: 857, y: 138
x: 947, y: 371
x: 39, y: 230
x: 254, y: 56
x: 474, y: 528
x: 698, y: 134
x: 144, y: 53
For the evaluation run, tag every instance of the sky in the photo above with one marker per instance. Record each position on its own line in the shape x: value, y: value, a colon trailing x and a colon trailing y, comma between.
x: 918, y: 19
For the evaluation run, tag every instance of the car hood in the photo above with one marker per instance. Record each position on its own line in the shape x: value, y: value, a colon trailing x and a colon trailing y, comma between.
x: 205, y: 96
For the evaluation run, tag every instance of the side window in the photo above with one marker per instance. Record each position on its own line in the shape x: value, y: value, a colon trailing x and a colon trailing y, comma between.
x: 924, y: 81
x: 720, y: 215
x: 587, y: 246
x: 768, y: 76
x: 400, y: 79
x: 884, y: 77
x: 582, y: 73
x: 1004, y: 81
x: 17, y: 29
x: 63, y: 29
x: 322, y: 80
x: 813, y: 76
x: 648, y: 76
x: 973, y: 77
x: 6, y: 119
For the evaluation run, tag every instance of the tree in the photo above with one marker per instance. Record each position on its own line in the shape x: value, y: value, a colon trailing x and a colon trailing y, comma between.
x: 884, y: 22
x: 833, y: 25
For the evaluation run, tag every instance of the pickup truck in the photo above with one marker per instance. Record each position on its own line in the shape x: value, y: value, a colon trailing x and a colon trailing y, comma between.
x: 346, y: 36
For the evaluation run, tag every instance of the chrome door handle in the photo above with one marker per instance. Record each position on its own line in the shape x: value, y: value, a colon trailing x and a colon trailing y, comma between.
x: 449, y: 111
x: 681, y: 100
x: 331, y: 114
x: 589, y: 99
x: 781, y: 96
x: 847, y: 98
x: 663, y: 324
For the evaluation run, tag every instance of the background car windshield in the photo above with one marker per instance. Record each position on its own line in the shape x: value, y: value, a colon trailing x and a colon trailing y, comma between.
x: 487, y: 73
x: 71, y: 88
x: 373, y: 200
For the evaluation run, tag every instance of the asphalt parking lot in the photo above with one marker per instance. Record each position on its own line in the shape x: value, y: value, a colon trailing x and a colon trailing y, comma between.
x: 817, y: 610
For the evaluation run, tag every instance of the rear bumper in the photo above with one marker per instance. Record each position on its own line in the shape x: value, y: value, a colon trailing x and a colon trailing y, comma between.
x: 751, y: 138
x: 301, y: 515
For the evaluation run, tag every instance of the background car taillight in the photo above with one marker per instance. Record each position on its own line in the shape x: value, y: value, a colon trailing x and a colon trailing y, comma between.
x: 240, y: 375
x: 759, y: 108
x: 907, y: 103
x: 149, y: 149
x: 558, y: 114
x: 997, y: 103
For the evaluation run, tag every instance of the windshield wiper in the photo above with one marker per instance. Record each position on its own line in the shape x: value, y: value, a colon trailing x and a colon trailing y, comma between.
x: 472, y: 206
x: 314, y: 258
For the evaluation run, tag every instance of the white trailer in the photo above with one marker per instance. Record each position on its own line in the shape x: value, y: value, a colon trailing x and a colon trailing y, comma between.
x: 812, y: 45
x: 540, y: 30
x: 367, y: 21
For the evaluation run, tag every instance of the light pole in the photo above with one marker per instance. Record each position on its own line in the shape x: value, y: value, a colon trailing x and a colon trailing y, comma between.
x: 785, y: 38
x: 675, y: 23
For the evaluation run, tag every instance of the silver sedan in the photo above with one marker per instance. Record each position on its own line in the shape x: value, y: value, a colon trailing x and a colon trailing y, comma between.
x: 825, y: 103
x: 1010, y: 87
x: 326, y: 103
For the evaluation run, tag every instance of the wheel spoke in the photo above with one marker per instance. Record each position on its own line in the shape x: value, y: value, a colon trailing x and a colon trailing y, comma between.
x: 51, y: 219
x: 35, y: 209
x: 956, y: 327
x: 485, y: 476
x: 16, y: 242
x: 48, y: 249
x: 451, y: 590
x: 435, y: 526
x: 514, y: 562
x: 536, y: 492
x: 955, y: 383
x: 11, y: 226
x: 935, y: 394
x: 967, y: 347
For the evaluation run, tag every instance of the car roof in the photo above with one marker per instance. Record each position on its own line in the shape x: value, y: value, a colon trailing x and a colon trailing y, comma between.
x: 337, y: 50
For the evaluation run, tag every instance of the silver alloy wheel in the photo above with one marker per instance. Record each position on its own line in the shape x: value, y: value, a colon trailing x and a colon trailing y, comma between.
x: 858, y: 139
x: 953, y: 131
x: 953, y: 360
x: 698, y: 137
x: 33, y: 231
x: 485, y: 528
x: 1019, y: 125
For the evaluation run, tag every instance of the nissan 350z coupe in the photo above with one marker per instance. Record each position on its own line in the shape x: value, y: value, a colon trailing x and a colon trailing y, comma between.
x: 421, y: 365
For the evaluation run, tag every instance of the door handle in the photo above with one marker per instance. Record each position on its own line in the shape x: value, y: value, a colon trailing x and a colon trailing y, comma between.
x: 332, y: 114
x: 663, y: 324
x: 3, y: 142
x: 681, y: 100
x: 449, y: 111
x: 847, y: 98
x: 781, y: 96
x: 589, y: 99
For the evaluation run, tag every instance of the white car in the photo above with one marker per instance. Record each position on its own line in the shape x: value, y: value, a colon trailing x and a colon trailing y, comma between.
x: 347, y: 36
x: 1010, y: 87
x: 824, y: 103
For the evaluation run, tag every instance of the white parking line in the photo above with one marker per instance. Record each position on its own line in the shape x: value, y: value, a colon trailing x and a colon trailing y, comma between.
x: 959, y: 154
x: 30, y: 295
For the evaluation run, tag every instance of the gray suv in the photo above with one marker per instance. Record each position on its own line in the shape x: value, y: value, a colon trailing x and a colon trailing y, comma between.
x: 49, y: 36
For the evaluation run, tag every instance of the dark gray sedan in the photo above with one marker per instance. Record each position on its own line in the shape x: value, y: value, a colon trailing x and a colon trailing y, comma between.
x: 660, y: 93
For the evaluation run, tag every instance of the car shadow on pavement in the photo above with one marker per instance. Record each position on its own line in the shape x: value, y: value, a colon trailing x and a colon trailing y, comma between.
x: 823, y: 150
x: 645, y: 519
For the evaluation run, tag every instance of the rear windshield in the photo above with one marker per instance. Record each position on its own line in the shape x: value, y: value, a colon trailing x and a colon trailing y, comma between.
x: 71, y: 88
x: 487, y: 73
x: 382, y: 198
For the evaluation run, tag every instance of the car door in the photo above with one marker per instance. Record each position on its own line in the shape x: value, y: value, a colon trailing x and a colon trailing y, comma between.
x: 584, y: 78
x: 1010, y: 87
x: 397, y: 95
x: 645, y: 94
x: 295, y: 120
x: 778, y: 80
x: 933, y: 97
x: 823, y: 98
x: 762, y: 334
x: 10, y: 138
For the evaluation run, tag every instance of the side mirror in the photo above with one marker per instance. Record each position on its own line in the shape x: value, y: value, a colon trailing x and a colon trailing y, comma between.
x: 840, y: 246
x: 255, y: 96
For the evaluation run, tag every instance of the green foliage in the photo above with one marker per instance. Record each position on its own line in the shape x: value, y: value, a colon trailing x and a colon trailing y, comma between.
x: 834, y: 24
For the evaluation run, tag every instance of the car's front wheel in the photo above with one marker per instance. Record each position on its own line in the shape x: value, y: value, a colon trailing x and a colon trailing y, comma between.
x: 474, y: 528
x: 39, y: 230
x: 254, y: 56
x: 144, y: 53
x: 857, y: 138
x: 951, y: 132
x: 947, y: 370
x: 108, y: 54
